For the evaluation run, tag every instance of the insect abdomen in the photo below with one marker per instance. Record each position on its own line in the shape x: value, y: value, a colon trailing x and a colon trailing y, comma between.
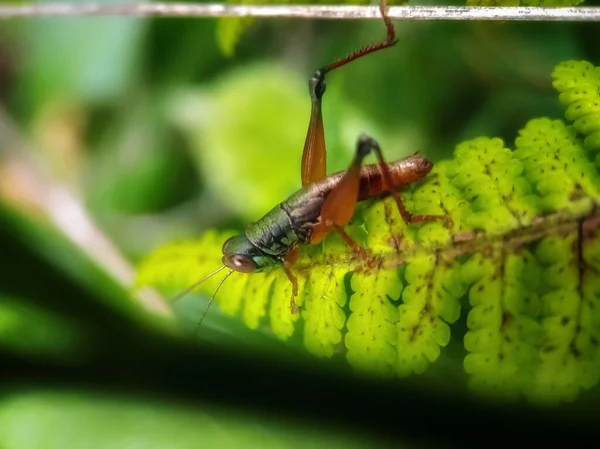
x: 403, y: 173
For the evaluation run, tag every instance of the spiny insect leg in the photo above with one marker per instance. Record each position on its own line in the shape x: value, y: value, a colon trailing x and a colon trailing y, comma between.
x: 314, y: 156
x: 338, y: 208
x: 387, y: 178
x: 359, y: 250
x: 288, y: 265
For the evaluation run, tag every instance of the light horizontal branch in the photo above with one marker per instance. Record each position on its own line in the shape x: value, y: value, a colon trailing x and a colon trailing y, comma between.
x: 574, y: 14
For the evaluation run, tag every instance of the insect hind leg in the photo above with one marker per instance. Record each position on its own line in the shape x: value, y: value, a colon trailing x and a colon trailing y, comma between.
x: 288, y: 265
x: 314, y: 155
x: 393, y: 190
x: 338, y: 208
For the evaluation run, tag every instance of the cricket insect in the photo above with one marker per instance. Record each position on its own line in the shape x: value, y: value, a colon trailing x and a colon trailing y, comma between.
x: 324, y: 203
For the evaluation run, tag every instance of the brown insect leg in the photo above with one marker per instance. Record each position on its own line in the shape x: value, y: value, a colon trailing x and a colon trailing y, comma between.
x: 288, y: 264
x: 338, y: 207
x: 390, y: 41
x: 314, y: 156
x: 351, y: 242
x: 387, y: 178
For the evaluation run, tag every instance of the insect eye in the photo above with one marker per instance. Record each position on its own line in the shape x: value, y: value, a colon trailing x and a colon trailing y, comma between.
x: 239, y: 262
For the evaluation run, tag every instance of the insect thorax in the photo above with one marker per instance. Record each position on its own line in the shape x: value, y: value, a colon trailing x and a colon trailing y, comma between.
x: 287, y: 223
x: 273, y: 234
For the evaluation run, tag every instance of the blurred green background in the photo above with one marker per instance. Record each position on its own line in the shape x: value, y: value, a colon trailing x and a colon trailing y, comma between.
x: 120, y: 134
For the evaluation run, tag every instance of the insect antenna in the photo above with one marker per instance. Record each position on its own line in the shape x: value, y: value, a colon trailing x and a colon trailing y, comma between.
x: 211, y: 301
x: 196, y: 284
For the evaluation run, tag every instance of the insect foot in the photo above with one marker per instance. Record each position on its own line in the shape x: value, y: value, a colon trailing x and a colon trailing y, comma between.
x: 365, y: 256
x: 294, y: 308
x: 360, y: 252
x: 447, y: 221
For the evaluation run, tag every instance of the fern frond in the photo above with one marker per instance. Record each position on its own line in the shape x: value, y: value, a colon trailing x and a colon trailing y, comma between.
x: 503, y: 333
x: 579, y: 85
x: 523, y: 254
x: 505, y: 203
x: 555, y: 164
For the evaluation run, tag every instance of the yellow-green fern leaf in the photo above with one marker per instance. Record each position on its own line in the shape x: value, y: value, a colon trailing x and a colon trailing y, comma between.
x: 503, y: 333
x: 506, y: 201
x: 570, y: 356
x: 556, y: 378
x: 579, y: 85
x: 521, y: 250
x: 371, y: 336
x: 553, y: 161
x: 180, y: 264
x: 429, y: 304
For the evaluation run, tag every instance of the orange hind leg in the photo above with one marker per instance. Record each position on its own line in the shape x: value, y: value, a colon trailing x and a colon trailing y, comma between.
x: 387, y: 179
x: 338, y: 208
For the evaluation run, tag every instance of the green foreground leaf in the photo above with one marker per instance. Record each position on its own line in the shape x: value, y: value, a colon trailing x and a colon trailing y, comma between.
x: 48, y: 420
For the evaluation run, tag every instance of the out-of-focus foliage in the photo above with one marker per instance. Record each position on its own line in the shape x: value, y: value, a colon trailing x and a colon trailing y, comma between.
x: 44, y: 419
x: 579, y: 87
x: 46, y: 332
x: 230, y: 141
x: 534, y: 323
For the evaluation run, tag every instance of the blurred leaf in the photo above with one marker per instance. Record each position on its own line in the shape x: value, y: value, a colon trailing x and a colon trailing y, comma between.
x: 403, y: 89
x: 245, y: 145
x: 51, y: 244
x: 48, y: 420
x: 35, y: 331
x: 229, y: 31
x: 179, y: 50
x: 248, y: 130
x: 90, y: 59
x: 499, y: 112
x: 139, y: 165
